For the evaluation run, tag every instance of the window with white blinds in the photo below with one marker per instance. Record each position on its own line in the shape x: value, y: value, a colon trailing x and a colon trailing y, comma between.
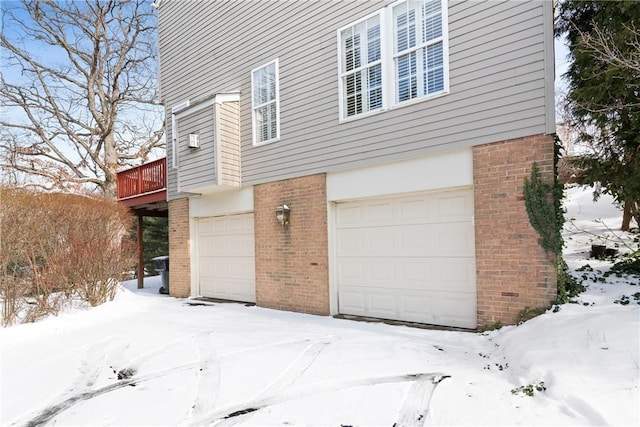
x: 265, y: 103
x: 418, y: 48
x: 361, y: 67
x: 396, y: 55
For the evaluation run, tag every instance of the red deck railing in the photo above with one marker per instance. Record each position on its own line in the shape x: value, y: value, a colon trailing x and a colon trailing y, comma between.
x: 147, y: 178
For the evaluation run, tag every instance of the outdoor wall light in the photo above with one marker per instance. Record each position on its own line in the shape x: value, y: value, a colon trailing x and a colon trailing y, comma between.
x: 282, y: 214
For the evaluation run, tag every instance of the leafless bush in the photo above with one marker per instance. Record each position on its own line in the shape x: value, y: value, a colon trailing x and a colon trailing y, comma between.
x: 56, y: 247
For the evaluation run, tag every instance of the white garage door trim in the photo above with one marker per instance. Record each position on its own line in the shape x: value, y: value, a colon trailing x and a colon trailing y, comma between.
x: 410, y: 257
x: 225, y: 257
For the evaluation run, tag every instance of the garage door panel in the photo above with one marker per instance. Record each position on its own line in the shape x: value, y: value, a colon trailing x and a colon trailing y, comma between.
x: 352, y: 301
x: 227, y: 268
x: 240, y: 224
x: 226, y: 245
x: 416, y: 208
x: 224, y: 225
x: 350, y: 215
x: 232, y: 245
x: 409, y: 274
x: 457, y: 275
x: 240, y: 290
x: 351, y: 272
x: 410, y: 257
x: 379, y: 240
x: 232, y: 290
x: 440, y: 309
x: 447, y: 275
x: 205, y: 226
x: 454, y: 207
x: 456, y: 240
x: 226, y: 261
x: 454, y: 309
x: 435, y: 208
x: 445, y: 239
x: 379, y: 212
x: 429, y: 307
x: 350, y: 241
x: 448, y: 239
x: 383, y: 303
x: 418, y: 307
x: 381, y: 272
x: 220, y: 225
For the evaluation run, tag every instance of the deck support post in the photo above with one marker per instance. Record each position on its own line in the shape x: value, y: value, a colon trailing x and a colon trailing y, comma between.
x: 140, y: 252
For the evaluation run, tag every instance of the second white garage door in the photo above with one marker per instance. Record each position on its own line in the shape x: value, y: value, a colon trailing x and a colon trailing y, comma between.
x: 226, y: 260
x: 409, y: 258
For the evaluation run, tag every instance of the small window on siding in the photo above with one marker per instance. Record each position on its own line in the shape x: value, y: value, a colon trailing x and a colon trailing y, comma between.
x: 265, y: 103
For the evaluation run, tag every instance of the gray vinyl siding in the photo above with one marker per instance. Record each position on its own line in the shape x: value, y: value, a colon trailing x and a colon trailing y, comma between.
x: 499, y: 65
x: 197, y: 167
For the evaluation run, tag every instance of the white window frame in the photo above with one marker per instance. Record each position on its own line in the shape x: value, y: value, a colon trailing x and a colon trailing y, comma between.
x: 419, y: 46
x: 276, y: 101
x: 388, y: 59
x: 343, y: 74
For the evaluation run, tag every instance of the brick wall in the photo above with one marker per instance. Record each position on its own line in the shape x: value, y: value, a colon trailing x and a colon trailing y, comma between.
x: 179, y: 263
x: 513, y: 271
x: 292, y: 270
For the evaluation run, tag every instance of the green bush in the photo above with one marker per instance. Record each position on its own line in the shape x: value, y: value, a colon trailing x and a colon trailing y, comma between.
x: 544, y: 208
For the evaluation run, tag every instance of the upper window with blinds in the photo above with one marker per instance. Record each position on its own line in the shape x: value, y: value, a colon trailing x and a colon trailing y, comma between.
x: 394, y: 56
x: 265, y: 103
x: 361, y: 67
x: 418, y: 50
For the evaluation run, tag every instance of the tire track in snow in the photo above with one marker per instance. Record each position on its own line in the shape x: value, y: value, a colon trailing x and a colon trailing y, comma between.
x: 234, y: 414
x: 73, y: 396
x: 208, y: 377
x: 89, y: 370
x: 295, y: 370
x: 90, y: 367
x: 415, y: 408
x: 49, y: 413
x: 81, y: 388
x: 582, y: 410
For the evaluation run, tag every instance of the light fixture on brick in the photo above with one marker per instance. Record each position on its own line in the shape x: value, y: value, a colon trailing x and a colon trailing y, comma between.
x: 282, y: 214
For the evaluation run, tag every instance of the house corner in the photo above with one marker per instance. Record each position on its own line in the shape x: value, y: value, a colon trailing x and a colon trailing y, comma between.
x: 513, y: 271
x: 179, y: 252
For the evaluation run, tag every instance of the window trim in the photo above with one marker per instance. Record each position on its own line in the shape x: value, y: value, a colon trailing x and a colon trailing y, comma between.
x: 443, y: 38
x: 255, y: 141
x: 382, y: 61
x: 387, y: 56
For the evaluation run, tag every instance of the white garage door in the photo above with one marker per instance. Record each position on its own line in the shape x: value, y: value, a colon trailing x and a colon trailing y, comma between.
x: 226, y: 261
x: 409, y: 258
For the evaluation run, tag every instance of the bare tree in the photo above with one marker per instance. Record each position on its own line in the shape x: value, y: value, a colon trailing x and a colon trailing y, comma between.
x: 607, y: 50
x: 78, y: 91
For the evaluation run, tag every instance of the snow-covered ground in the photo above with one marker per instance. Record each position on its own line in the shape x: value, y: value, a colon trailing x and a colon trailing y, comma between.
x: 148, y: 359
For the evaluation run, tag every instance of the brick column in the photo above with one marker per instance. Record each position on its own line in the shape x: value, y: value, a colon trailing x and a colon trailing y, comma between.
x: 179, y: 256
x: 513, y: 271
x: 292, y: 262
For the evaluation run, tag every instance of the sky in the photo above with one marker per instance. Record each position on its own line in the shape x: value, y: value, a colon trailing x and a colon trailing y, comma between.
x: 150, y: 359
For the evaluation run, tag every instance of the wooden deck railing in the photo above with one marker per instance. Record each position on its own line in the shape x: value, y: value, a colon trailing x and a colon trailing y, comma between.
x: 143, y: 179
